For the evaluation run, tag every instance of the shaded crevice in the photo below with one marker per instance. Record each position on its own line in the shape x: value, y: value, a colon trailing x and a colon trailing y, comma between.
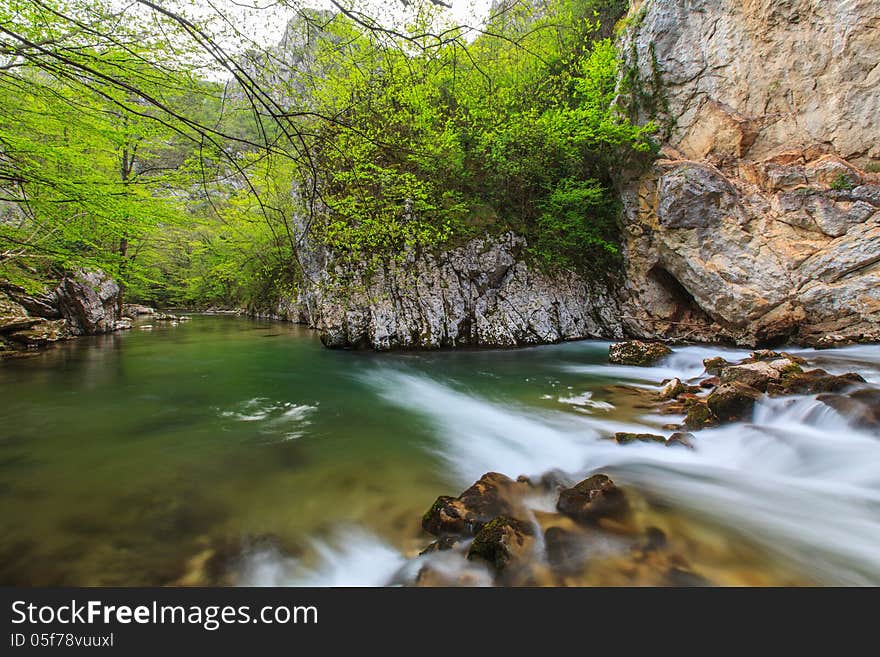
x: 681, y: 304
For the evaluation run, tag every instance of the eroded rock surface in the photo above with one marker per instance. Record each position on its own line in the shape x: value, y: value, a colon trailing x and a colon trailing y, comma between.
x: 760, y: 223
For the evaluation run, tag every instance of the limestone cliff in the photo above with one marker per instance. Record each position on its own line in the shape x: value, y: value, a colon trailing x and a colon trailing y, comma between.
x: 482, y: 293
x: 761, y: 222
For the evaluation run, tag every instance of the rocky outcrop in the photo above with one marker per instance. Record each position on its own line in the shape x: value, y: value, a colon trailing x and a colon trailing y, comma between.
x: 89, y: 301
x: 761, y: 222
x: 83, y: 303
x: 482, y: 293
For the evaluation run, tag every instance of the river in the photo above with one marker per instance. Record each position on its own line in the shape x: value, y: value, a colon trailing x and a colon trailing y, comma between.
x: 228, y: 451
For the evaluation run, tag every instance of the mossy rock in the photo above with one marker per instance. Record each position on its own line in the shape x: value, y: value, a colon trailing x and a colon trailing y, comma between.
x: 592, y: 499
x: 502, y: 541
x: 699, y: 415
x: 636, y: 352
x: 715, y: 365
x: 732, y: 402
x: 624, y: 438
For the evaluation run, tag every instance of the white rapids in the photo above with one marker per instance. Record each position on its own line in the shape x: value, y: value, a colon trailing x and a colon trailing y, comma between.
x: 798, y: 479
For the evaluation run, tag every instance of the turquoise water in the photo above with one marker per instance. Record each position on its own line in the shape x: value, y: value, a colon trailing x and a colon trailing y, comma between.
x: 231, y: 451
x: 124, y: 456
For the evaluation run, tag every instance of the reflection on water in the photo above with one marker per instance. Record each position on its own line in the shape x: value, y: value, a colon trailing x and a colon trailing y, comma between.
x: 230, y: 451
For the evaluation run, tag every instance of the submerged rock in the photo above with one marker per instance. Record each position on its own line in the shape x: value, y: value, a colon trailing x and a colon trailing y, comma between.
x: 502, y: 542
x: 565, y: 550
x: 861, y: 407
x: 636, y: 352
x: 682, y: 439
x: 624, y: 438
x: 592, y: 499
x: 733, y: 402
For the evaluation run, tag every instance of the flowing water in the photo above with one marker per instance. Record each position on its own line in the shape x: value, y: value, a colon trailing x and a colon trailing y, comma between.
x: 231, y: 451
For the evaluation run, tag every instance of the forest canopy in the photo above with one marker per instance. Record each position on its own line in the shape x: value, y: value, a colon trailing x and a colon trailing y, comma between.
x: 138, y: 140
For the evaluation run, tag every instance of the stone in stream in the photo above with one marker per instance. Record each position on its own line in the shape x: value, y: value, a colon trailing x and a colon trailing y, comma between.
x: 682, y: 439
x: 503, y: 542
x: 761, y: 373
x: 672, y: 389
x: 565, y: 550
x: 732, y: 402
x: 466, y: 514
x: 699, y: 415
x: 135, y: 310
x: 861, y: 408
x: 592, y: 499
x: 715, y: 365
x: 624, y: 438
x: 813, y: 382
x: 636, y: 352
x: 441, y: 545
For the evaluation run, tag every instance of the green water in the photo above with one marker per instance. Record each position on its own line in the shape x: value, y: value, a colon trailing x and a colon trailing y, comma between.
x: 124, y: 457
x: 230, y: 451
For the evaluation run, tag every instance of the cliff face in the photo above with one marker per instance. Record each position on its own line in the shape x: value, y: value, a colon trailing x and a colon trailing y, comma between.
x: 481, y: 293
x: 761, y: 222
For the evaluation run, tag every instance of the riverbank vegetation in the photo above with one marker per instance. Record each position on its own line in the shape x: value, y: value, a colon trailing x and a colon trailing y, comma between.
x: 140, y: 142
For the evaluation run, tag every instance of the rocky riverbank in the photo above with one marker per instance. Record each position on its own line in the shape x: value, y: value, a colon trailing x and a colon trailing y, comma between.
x: 83, y: 303
x: 552, y: 530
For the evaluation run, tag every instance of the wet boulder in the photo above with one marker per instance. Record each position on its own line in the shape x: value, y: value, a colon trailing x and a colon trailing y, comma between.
x: 861, y: 408
x: 624, y: 438
x: 672, y: 389
x: 681, y: 439
x: 592, y: 499
x: 699, y: 415
x: 636, y: 352
x: 565, y: 550
x: 441, y: 545
x: 733, y: 402
x: 761, y: 373
x: 715, y: 365
x: 466, y: 514
x: 813, y: 382
x: 503, y: 542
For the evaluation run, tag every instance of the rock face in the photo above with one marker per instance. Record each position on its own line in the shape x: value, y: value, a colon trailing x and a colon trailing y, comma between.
x: 761, y: 222
x: 482, y: 293
x: 84, y: 303
x: 90, y: 302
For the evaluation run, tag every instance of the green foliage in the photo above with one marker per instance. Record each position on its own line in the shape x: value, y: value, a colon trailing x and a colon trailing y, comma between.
x: 842, y: 183
x: 441, y: 145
